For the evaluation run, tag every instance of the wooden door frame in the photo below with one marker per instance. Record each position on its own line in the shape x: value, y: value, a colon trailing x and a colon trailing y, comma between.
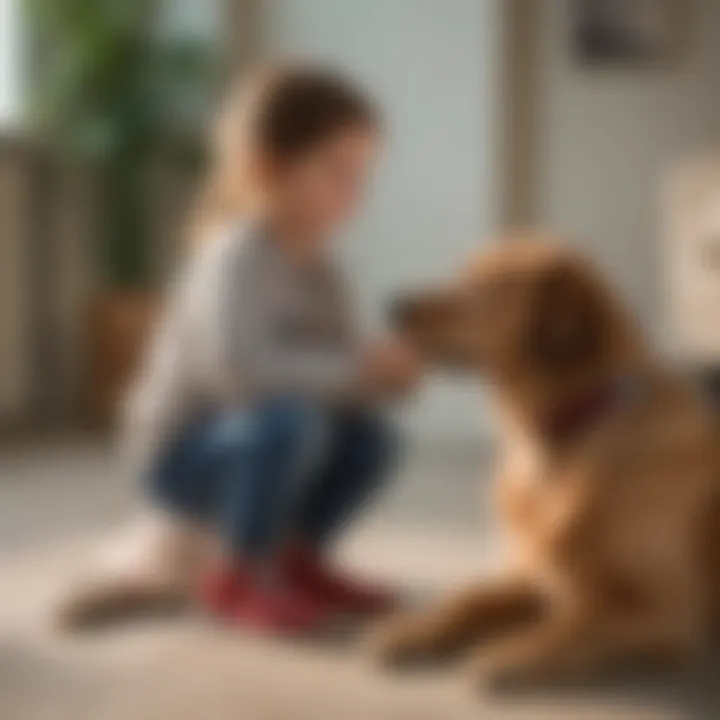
x: 520, y: 98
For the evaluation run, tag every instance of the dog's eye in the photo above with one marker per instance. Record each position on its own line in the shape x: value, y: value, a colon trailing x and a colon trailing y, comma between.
x: 567, y: 330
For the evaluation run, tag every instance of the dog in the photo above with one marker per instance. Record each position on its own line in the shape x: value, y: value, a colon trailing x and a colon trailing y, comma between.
x: 607, y: 480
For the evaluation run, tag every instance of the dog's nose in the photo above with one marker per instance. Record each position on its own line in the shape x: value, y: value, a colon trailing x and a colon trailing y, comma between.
x: 399, y: 311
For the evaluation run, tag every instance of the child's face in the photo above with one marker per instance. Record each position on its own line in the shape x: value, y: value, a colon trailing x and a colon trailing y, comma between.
x: 320, y: 191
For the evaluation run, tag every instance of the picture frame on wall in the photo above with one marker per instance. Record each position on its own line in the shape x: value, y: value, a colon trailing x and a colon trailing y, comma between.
x: 629, y: 33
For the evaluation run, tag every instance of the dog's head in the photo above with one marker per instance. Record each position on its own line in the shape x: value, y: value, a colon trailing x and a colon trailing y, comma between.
x: 529, y: 313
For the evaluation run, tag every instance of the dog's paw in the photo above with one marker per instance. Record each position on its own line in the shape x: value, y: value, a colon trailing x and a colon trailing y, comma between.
x: 491, y: 675
x: 397, y: 643
x: 503, y: 668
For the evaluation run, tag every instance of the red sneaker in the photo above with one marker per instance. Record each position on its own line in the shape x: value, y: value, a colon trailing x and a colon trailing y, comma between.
x: 222, y: 589
x: 307, y: 570
x: 278, y: 609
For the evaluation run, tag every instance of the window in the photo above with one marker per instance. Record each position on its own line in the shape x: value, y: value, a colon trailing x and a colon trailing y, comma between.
x: 10, y: 62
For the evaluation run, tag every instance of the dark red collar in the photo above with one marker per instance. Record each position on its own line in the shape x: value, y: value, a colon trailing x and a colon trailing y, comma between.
x: 581, y: 413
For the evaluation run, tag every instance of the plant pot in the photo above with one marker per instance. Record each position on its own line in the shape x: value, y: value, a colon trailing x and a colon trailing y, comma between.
x: 119, y: 323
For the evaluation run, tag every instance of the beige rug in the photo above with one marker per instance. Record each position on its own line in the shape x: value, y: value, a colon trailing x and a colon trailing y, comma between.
x: 184, y: 668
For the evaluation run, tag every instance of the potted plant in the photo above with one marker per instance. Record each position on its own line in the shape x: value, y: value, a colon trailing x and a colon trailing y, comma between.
x: 117, y: 95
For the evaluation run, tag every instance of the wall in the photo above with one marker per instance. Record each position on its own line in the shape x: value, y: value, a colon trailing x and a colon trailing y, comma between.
x: 191, y: 19
x: 607, y: 136
x: 434, y: 68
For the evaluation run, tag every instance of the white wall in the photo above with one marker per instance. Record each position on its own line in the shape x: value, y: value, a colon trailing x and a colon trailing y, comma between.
x: 434, y: 67
x: 191, y: 19
x: 606, y: 136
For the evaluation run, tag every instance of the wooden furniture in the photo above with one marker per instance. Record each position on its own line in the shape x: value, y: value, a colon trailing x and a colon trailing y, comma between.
x: 15, y: 301
x: 44, y: 235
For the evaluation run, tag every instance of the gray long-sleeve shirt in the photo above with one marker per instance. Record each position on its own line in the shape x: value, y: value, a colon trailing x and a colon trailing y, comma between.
x: 243, y: 321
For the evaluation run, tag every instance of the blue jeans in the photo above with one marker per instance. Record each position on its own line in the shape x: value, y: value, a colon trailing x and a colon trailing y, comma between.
x: 282, y: 469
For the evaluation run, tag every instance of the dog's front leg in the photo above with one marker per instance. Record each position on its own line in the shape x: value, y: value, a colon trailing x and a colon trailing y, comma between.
x: 458, y: 622
x: 573, y: 642
x: 552, y: 647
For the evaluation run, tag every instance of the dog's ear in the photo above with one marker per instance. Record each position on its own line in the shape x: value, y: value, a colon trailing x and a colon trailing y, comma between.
x: 568, y: 323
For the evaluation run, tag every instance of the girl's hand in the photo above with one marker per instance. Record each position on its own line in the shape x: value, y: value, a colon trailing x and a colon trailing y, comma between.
x: 391, y: 367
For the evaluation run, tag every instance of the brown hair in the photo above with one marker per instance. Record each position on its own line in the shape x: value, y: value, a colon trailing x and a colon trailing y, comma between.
x: 280, y: 114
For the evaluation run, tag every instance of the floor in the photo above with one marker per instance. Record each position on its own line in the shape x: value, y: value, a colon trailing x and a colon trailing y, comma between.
x: 434, y: 531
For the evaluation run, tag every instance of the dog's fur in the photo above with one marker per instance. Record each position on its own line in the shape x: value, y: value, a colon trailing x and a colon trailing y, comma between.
x: 615, y: 521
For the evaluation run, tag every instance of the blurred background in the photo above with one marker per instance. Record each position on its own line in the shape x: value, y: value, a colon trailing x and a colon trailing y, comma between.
x: 500, y: 114
x: 598, y: 119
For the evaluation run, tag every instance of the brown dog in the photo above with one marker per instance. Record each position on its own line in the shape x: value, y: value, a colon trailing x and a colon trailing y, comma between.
x: 607, y: 481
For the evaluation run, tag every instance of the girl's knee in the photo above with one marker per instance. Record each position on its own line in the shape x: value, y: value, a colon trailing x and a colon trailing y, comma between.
x: 290, y: 426
x: 232, y: 433
x: 277, y: 432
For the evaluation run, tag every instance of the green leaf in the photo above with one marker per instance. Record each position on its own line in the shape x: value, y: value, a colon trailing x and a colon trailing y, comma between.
x: 111, y: 91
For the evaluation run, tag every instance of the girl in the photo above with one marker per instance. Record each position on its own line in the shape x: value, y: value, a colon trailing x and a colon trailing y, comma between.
x: 257, y: 410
